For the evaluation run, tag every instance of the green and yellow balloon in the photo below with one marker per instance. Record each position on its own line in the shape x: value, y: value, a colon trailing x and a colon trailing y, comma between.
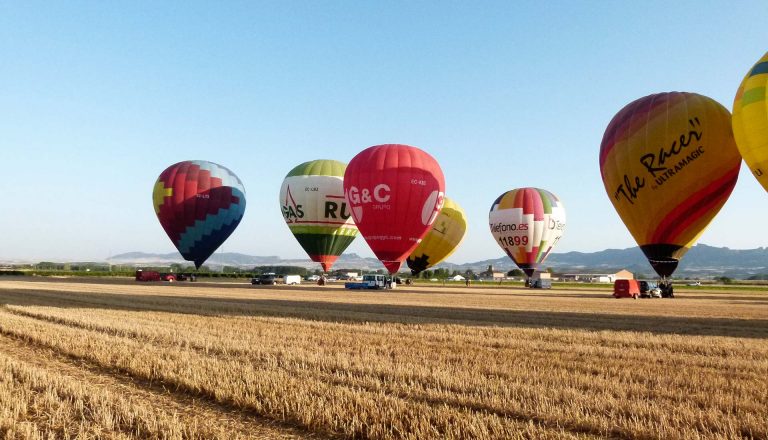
x: 315, y: 210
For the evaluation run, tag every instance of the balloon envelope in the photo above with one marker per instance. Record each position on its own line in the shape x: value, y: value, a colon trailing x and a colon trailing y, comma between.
x: 395, y: 192
x: 199, y: 204
x: 669, y: 163
x: 442, y: 239
x: 750, y: 120
x: 527, y: 223
x: 314, y: 208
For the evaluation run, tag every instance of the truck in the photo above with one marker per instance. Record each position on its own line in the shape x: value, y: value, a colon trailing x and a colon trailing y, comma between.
x: 539, y: 280
x: 372, y: 281
x: 269, y: 279
x: 626, y: 289
x: 151, y: 275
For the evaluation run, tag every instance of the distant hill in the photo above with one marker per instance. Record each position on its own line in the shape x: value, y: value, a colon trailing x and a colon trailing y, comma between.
x: 608, y: 260
x: 701, y: 261
x: 241, y: 260
x: 218, y: 259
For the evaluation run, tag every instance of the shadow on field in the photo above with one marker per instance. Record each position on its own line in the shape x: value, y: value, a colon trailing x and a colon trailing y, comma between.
x: 406, y: 314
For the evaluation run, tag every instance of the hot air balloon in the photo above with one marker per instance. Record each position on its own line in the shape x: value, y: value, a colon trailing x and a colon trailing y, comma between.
x: 750, y: 120
x: 441, y: 240
x: 395, y: 193
x: 527, y: 223
x: 199, y: 204
x: 314, y: 208
x: 669, y: 163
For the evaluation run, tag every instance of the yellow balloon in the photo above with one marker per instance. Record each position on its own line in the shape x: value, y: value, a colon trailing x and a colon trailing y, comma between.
x: 669, y: 163
x: 750, y: 120
x: 439, y: 243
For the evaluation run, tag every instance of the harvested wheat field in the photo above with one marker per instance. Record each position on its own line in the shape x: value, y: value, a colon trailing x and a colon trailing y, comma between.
x: 107, y: 359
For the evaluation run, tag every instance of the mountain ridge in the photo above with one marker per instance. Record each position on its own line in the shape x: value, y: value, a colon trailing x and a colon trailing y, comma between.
x: 701, y: 261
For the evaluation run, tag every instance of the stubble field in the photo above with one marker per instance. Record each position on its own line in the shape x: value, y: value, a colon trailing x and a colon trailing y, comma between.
x: 112, y: 359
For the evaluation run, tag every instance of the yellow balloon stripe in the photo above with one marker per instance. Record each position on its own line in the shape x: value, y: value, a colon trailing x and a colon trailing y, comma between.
x: 159, y: 193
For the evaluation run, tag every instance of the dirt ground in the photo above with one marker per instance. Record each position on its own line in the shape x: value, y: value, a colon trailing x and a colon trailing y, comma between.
x: 37, y: 314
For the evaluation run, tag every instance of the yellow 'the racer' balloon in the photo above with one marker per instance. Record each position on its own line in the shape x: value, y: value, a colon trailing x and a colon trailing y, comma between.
x: 443, y: 238
x: 669, y: 163
x: 750, y: 120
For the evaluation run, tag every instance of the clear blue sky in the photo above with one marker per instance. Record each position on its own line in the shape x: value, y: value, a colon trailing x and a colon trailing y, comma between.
x: 97, y: 98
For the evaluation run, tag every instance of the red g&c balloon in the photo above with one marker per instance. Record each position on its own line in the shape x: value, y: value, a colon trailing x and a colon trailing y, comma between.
x: 395, y: 192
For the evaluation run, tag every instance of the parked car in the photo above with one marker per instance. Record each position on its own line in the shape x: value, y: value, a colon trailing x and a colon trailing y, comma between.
x: 265, y: 279
x: 647, y: 289
x: 695, y: 283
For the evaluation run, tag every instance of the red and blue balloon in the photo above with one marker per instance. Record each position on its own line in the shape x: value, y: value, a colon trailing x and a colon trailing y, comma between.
x: 199, y: 204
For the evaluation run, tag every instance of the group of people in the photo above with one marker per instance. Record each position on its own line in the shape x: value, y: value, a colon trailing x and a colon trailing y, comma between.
x: 667, y: 291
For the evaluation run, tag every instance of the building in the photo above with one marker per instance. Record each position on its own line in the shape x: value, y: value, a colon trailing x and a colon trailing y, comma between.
x: 623, y: 274
x: 492, y: 275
